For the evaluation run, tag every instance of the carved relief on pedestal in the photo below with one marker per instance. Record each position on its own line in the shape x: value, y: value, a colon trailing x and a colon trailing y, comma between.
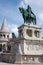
x: 34, y: 47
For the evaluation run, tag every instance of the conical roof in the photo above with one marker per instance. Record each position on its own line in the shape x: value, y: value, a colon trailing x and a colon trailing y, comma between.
x: 4, y: 27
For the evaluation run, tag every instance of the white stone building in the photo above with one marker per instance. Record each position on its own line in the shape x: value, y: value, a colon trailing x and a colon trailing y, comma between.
x: 26, y: 49
x: 4, y: 37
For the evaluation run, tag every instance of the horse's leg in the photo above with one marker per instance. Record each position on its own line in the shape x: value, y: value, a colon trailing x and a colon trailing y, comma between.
x: 34, y: 21
x: 31, y: 20
x: 24, y: 18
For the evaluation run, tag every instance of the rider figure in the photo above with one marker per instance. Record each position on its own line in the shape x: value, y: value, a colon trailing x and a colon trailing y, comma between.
x: 29, y: 11
x: 28, y: 15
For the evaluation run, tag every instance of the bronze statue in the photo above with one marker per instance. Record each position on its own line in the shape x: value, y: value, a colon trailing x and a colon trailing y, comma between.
x: 28, y: 15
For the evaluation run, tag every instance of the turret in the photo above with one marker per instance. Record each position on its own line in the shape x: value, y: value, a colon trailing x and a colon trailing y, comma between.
x: 4, y: 32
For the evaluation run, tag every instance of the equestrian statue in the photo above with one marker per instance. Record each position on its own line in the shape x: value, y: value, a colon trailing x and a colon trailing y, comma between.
x: 28, y: 15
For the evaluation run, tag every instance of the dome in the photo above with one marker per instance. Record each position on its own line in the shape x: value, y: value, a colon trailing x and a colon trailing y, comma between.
x: 4, y: 27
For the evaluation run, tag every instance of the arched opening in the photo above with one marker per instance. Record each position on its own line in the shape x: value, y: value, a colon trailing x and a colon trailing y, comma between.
x: 29, y: 32
x: 7, y: 36
x: 4, y: 48
x: 0, y: 47
x: 0, y: 35
x: 4, y: 35
x: 37, y: 34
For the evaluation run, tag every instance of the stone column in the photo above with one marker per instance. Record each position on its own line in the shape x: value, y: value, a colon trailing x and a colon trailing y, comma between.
x: 33, y: 35
x: 24, y: 32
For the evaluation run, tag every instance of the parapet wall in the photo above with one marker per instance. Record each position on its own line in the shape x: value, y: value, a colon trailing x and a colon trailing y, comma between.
x: 7, y: 57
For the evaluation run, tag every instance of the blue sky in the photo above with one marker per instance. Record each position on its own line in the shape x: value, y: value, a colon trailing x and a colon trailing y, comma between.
x: 9, y: 10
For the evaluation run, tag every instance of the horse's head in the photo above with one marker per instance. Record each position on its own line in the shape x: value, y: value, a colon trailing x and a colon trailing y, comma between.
x: 21, y: 9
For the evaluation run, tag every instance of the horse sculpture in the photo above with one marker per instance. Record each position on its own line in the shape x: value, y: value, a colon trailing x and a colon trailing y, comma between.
x: 28, y: 15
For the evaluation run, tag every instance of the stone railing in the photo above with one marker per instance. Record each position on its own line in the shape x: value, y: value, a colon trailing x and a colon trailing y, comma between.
x: 7, y: 57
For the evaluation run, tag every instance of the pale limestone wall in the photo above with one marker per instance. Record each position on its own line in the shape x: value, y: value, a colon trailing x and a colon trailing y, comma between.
x: 14, y: 47
x: 2, y: 42
x: 30, y: 27
x: 33, y: 48
x: 18, y: 58
x: 29, y: 59
x: 21, y: 47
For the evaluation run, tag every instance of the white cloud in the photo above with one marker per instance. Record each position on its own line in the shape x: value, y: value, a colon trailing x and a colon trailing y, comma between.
x: 10, y: 35
x: 13, y: 29
x: 41, y: 16
x: 22, y: 4
x: 27, y: 1
x: 37, y: 2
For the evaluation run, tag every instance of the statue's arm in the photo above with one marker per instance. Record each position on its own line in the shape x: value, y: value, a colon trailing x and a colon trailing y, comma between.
x: 33, y: 14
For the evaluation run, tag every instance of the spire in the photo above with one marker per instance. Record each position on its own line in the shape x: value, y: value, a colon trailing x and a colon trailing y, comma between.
x: 4, y: 27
